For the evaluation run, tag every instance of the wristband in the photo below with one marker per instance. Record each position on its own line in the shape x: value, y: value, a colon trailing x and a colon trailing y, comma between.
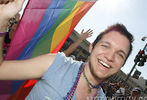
x: 2, y: 33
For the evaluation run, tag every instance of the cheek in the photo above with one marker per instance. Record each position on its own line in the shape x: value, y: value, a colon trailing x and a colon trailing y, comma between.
x: 92, y: 58
x: 97, y: 52
x: 119, y: 63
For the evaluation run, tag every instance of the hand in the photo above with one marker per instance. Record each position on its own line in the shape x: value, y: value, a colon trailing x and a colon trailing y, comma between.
x: 85, y: 35
x: 5, y: 1
x: 9, y: 8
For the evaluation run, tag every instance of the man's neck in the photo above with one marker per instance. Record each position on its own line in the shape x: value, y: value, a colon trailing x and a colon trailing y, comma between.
x: 92, y: 79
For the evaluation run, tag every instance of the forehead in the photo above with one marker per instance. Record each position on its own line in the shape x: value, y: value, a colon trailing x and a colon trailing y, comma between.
x: 117, y: 40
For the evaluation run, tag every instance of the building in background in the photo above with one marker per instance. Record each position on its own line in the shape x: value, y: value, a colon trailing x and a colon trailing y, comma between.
x: 82, y: 51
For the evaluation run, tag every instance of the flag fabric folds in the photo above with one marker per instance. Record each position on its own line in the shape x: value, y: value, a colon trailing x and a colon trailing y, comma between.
x: 44, y: 27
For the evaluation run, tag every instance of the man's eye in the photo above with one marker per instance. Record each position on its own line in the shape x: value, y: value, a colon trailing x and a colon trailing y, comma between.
x: 121, y: 55
x: 105, y: 46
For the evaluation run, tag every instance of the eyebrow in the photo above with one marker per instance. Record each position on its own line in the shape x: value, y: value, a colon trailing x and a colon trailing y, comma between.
x: 110, y: 44
x: 105, y: 42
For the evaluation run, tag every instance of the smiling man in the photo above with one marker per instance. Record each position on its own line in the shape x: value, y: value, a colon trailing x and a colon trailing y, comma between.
x: 109, y: 54
x: 62, y: 78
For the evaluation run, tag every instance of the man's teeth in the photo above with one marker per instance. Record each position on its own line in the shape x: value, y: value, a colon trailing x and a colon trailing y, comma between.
x: 104, y: 64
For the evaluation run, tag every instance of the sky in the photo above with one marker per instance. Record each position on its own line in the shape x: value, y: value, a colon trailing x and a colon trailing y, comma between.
x: 131, y: 13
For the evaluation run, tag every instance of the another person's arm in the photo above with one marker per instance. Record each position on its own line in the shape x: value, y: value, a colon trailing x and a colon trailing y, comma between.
x: 83, y: 36
x: 24, y: 69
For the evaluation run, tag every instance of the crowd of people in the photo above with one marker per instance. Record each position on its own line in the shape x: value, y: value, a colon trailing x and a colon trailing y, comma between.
x: 118, y: 91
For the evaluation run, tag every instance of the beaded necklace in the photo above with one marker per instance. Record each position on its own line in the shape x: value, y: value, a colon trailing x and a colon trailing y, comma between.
x: 72, y: 90
x: 89, y: 84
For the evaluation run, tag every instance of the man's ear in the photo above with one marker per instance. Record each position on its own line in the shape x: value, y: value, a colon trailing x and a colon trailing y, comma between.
x: 90, y: 47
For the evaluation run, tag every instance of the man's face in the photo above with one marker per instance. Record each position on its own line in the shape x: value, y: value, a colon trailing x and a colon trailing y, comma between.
x: 108, y: 55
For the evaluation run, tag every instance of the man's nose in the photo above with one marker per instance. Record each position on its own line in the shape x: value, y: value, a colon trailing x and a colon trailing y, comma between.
x: 110, y: 56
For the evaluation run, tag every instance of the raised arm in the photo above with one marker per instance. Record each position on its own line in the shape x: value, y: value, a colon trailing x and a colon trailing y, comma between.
x: 25, y: 69
x: 83, y: 36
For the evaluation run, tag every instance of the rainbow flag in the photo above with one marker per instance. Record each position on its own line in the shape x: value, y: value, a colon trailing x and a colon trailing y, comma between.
x: 44, y: 27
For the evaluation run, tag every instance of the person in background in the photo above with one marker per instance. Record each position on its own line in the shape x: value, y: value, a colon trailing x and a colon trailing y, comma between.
x: 13, y: 25
x: 135, y: 93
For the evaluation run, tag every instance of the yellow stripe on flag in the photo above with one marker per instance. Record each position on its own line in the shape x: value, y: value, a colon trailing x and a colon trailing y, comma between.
x: 64, y: 27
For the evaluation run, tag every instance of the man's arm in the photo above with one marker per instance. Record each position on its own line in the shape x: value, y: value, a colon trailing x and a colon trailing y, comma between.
x: 83, y: 36
x: 24, y: 69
